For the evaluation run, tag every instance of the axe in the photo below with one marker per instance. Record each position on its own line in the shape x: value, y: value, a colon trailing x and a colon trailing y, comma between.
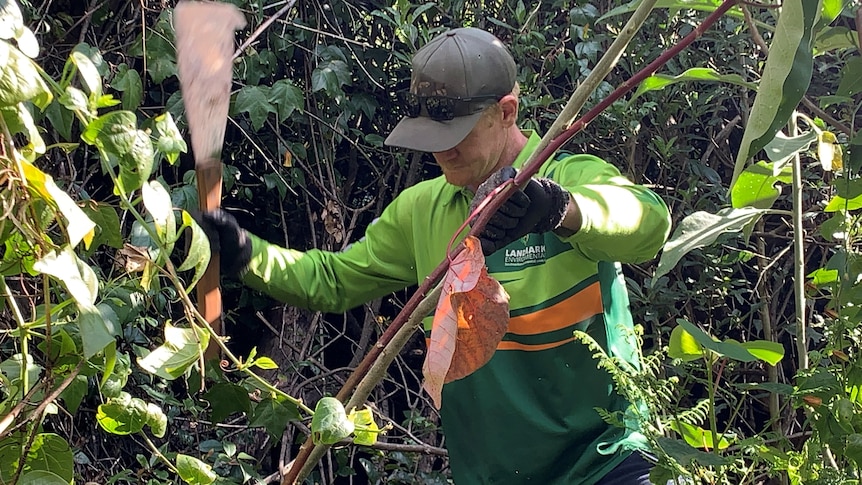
x: 205, y: 45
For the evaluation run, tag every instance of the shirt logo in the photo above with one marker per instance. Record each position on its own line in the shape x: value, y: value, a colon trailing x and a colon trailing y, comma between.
x: 531, y: 254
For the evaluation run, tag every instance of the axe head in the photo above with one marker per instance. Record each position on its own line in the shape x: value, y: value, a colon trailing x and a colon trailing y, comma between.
x: 205, y: 46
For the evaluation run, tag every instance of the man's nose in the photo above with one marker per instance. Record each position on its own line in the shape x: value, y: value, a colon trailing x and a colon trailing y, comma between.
x: 446, y: 155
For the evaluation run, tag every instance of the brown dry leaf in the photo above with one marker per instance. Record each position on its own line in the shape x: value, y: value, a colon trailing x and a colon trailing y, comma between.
x: 331, y: 216
x: 471, y: 318
x: 483, y: 317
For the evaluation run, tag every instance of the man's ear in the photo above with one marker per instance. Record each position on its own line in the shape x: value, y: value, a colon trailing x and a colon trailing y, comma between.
x: 509, y: 107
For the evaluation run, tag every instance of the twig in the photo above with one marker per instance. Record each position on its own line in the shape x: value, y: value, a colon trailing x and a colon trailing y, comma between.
x: 254, y: 35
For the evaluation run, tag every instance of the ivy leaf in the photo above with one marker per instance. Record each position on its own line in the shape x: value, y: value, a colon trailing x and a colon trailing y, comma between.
x: 287, y: 98
x: 180, y: 350
x: 20, y: 80
x: 274, y: 414
x: 329, y: 76
x: 194, y: 471
x: 330, y: 423
x: 128, y: 81
x: 226, y: 399
x: 254, y: 101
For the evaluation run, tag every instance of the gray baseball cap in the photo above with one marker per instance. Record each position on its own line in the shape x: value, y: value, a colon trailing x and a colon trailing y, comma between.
x: 455, y: 77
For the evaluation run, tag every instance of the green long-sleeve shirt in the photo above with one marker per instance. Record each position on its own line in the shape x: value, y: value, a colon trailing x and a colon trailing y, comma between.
x: 528, y: 415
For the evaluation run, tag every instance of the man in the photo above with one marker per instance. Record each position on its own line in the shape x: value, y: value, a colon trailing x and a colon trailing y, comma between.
x: 528, y: 415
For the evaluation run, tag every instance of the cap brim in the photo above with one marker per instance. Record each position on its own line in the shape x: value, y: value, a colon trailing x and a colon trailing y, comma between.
x: 426, y: 135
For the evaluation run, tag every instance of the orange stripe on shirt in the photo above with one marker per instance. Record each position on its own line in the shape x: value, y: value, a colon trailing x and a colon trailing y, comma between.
x: 576, y: 308
x: 509, y: 345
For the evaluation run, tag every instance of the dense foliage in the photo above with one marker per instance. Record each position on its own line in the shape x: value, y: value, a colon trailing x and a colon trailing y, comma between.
x: 749, y: 319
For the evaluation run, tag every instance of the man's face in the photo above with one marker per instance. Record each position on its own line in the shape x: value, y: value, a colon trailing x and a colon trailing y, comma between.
x: 470, y: 162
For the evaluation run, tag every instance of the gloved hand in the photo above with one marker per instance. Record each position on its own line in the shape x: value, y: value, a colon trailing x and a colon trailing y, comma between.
x: 227, y: 238
x: 538, y: 207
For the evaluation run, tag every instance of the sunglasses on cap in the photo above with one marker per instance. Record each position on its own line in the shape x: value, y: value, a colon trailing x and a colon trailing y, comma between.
x: 443, y: 108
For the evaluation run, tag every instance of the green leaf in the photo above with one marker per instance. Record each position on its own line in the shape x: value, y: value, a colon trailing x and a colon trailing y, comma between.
x: 199, y: 251
x: 783, y: 148
x: 329, y: 76
x: 834, y: 39
x: 194, y: 471
x: 756, y: 186
x: 769, y: 352
x: 728, y: 348
x: 19, y: 121
x: 11, y: 20
x: 20, y: 80
x: 79, y: 278
x: 11, y: 368
x: 851, y: 77
x: 61, y: 119
x: 74, y: 393
x: 683, y: 346
x: 97, y: 331
x: 839, y: 203
x: 123, y: 415
x: 330, y: 424
x: 698, y: 437
x: 118, y: 139
x: 42, y: 477
x: 254, y: 101
x: 107, y: 223
x: 853, y: 450
x: 265, y: 363
x: 78, y: 225
x: 157, y: 201
x: 685, y: 454
x: 170, y: 141
x: 822, y: 277
x: 88, y: 71
x: 74, y: 99
x: 27, y: 43
x: 180, y: 350
x: 51, y: 453
x: 226, y: 399
x: 366, y: 430
x: 700, y: 74
x: 274, y: 414
x: 701, y: 229
x: 156, y: 420
x: 785, y: 78
x: 287, y: 98
x: 128, y: 81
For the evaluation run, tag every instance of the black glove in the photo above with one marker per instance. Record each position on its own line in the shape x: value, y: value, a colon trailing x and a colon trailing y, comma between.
x: 538, y: 207
x: 227, y: 238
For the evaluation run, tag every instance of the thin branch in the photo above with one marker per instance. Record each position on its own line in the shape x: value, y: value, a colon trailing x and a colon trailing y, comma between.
x: 254, y: 35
